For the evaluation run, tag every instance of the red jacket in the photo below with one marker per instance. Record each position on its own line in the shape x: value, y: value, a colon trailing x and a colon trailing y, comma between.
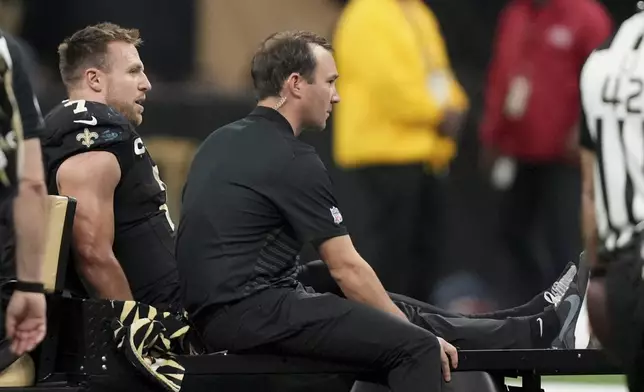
x: 548, y: 45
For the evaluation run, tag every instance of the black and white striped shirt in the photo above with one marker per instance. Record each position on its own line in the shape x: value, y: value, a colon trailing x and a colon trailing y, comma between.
x: 612, y: 86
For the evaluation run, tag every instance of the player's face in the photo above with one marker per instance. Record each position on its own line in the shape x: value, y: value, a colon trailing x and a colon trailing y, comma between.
x: 321, y: 94
x: 126, y: 81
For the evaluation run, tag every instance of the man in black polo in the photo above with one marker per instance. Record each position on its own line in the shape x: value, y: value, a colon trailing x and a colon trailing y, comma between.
x: 255, y: 194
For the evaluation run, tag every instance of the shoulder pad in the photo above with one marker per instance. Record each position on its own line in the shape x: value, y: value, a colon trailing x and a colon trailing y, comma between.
x: 72, y: 115
x: 76, y: 126
x: 86, y: 120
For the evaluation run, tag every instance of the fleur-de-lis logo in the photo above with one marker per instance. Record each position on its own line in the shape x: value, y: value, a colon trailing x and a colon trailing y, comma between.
x: 86, y: 137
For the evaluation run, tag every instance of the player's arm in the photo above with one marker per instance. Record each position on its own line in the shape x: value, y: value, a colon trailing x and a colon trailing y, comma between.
x: 91, y: 178
x: 354, y: 275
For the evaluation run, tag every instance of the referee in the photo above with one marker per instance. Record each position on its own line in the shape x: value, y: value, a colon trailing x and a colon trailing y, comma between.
x: 23, y: 195
x: 612, y: 137
x: 253, y: 195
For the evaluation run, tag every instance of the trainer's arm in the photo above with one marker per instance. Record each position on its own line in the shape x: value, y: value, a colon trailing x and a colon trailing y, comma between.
x: 91, y: 179
x: 589, y: 224
x: 30, y: 214
x: 355, y: 276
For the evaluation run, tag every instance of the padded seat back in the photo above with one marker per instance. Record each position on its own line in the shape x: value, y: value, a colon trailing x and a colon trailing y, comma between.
x: 20, y: 372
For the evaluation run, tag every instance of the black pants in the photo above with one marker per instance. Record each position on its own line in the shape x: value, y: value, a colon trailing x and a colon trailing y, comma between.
x: 404, y: 221
x: 325, y: 326
x: 316, y: 274
x: 624, y: 287
x: 547, y: 194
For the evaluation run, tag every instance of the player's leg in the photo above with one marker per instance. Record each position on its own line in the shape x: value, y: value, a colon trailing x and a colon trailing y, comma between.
x: 479, y: 334
x: 537, y: 331
x: 325, y: 326
x: 552, y: 296
x: 316, y: 275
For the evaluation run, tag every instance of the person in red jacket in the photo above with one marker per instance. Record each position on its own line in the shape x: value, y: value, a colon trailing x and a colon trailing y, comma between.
x: 530, y: 126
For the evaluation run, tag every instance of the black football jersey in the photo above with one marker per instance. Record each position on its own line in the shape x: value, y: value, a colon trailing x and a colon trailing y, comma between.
x: 143, y: 232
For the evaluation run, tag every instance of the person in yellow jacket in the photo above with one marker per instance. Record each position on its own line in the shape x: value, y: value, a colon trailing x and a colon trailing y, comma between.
x: 397, y: 132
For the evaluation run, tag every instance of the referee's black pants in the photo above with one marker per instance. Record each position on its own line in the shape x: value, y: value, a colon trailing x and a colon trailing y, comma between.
x: 622, y: 323
x: 297, y: 321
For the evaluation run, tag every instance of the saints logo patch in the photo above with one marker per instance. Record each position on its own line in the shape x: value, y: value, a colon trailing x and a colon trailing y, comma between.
x: 86, y: 138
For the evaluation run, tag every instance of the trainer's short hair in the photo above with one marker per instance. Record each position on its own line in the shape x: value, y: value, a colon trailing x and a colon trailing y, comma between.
x: 282, y: 54
x: 88, y: 48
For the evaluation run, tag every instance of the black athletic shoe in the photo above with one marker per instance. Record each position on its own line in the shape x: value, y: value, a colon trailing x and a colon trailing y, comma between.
x: 568, y: 312
x: 556, y: 292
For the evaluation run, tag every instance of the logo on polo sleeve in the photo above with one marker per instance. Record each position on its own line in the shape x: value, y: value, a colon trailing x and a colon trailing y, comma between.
x: 337, y: 216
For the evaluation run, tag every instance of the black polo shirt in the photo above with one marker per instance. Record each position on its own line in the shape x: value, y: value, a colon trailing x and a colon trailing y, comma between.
x: 254, y: 195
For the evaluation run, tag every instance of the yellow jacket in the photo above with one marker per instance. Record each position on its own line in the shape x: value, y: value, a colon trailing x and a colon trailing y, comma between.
x: 395, y: 84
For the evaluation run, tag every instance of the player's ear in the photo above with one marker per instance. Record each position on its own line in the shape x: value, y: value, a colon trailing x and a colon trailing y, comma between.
x: 94, y: 79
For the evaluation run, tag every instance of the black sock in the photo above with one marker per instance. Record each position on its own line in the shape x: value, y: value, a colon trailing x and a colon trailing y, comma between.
x: 544, y: 328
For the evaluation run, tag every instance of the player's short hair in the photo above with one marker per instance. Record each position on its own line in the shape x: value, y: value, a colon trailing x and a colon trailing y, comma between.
x: 88, y: 48
x: 282, y: 54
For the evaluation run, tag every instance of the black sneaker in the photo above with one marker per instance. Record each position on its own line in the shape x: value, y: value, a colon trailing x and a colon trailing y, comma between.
x: 568, y: 311
x: 559, y: 288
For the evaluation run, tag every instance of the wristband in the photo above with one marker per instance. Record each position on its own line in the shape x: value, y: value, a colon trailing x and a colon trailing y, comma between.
x: 29, y: 287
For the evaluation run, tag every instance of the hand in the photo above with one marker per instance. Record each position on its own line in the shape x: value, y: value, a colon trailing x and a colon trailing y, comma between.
x: 26, y: 321
x: 451, y: 124
x: 448, y: 353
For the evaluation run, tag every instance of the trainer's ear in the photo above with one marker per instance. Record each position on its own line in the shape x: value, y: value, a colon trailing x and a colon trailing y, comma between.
x: 295, y: 84
x: 95, y: 79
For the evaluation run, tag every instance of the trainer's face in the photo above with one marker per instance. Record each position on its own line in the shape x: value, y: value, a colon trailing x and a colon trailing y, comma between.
x: 126, y: 82
x: 320, y: 95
